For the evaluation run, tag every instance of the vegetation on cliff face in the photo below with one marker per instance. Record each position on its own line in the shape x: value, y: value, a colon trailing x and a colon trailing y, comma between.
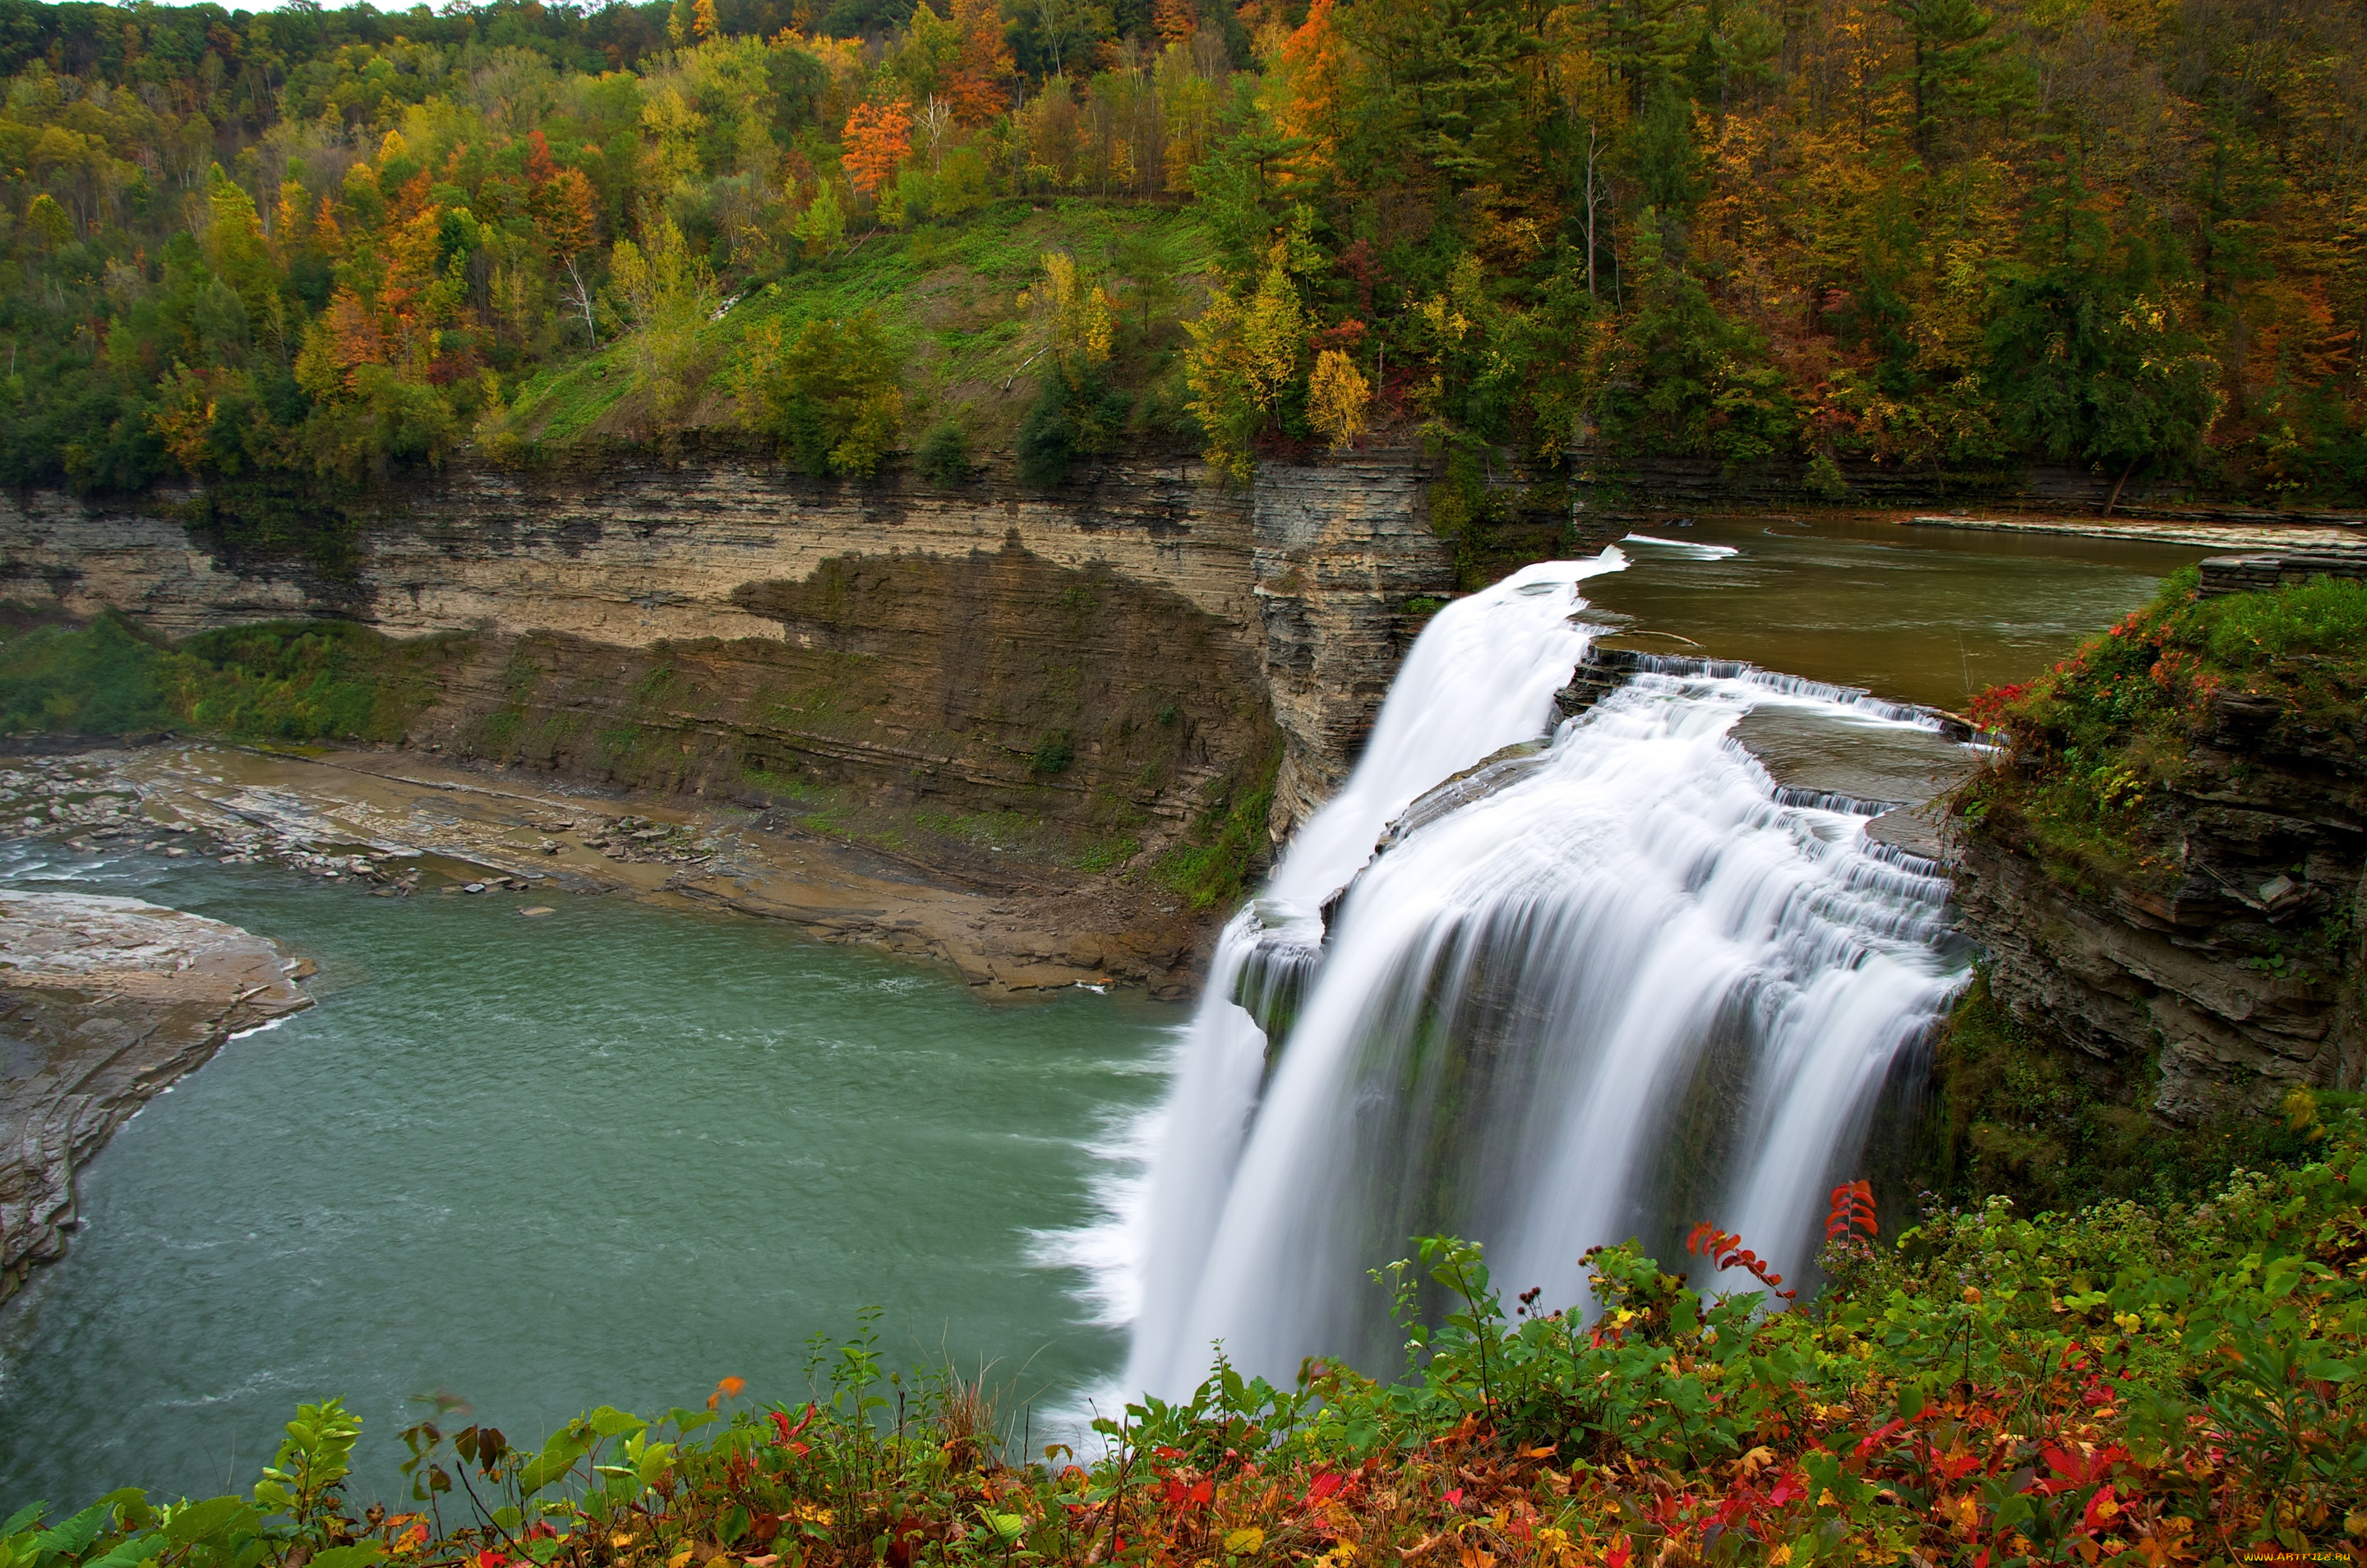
x: 2096, y: 744
x: 2126, y: 1385
x: 310, y: 681
x: 284, y: 252
x: 2017, y: 1112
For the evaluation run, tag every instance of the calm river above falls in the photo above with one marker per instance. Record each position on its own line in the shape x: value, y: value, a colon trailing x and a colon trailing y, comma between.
x: 614, y: 1154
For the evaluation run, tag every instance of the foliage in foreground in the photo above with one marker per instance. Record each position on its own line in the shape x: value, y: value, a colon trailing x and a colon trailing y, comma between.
x: 293, y: 681
x: 2123, y: 1385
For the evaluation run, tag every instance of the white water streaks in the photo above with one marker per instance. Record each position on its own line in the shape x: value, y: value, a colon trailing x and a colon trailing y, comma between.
x: 1625, y: 984
x: 1683, y: 548
x: 1481, y: 677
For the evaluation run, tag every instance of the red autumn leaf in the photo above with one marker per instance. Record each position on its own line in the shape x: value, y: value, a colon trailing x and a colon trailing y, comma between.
x: 1876, y: 1438
x: 784, y: 1432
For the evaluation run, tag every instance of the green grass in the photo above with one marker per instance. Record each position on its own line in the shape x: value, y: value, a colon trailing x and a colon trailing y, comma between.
x: 293, y: 681
x: 1212, y: 869
x: 947, y: 295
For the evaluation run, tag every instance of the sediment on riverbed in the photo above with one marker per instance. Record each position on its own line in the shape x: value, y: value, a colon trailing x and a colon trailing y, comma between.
x: 103, y: 1002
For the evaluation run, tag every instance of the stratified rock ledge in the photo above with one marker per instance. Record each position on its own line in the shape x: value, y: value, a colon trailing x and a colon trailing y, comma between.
x: 103, y: 1003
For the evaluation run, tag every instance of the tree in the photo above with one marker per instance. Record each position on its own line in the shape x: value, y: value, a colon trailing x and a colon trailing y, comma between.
x: 1315, y: 62
x: 49, y: 220
x: 875, y: 141
x: 1243, y: 356
x: 1175, y: 20
x: 831, y: 396
x: 662, y: 295
x: 1063, y: 28
x: 565, y: 210
x: 930, y: 56
x: 2117, y: 382
x: 824, y: 224
x: 1082, y: 318
x: 1337, y: 396
x: 985, y: 65
x: 1951, y: 73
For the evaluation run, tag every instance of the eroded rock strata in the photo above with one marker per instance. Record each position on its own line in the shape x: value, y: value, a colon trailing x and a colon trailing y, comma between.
x: 2242, y: 980
x: 106, y: 1002
x: 1115, y: 659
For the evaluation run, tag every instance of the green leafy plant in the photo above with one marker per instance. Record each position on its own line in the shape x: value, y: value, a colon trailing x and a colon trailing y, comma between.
x: 831, y: 395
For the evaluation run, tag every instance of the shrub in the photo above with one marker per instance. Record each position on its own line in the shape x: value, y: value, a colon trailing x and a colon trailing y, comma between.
x: 832, y: 396
x: 944, y: 456
x: 1065, y: 425
x: 1054, y: 754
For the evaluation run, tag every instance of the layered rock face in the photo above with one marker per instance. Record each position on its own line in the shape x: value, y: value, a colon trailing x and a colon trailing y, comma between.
x: 1115, y: 659
x: 1345, y: 556
x: 2245, y: 980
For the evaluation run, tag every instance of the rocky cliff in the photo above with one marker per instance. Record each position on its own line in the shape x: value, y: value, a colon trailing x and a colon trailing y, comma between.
x: 1095, y: 669
x: 2211, y: 998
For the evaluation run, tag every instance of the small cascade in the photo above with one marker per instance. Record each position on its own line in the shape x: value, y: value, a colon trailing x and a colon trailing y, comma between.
x: 1544, y: 982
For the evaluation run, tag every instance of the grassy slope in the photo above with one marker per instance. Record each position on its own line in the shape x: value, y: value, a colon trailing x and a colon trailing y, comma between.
x: 948, y: 295
x: 288, y: 681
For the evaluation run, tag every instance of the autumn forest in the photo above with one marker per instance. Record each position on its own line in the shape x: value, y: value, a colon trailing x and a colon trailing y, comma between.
x: 295, y: 253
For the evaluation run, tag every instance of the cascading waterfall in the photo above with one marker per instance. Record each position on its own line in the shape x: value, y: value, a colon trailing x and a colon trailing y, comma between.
x: 1594, y: 990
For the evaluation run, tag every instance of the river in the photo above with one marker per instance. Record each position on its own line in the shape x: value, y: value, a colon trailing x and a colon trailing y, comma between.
x: 608, y: 1154
x: 614, y: 1154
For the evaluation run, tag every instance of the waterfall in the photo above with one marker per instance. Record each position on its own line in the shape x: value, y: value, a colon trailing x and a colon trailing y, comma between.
x: 1591, y: 990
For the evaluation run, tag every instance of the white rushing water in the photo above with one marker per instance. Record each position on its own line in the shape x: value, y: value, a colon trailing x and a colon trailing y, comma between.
x: 1600, y: 991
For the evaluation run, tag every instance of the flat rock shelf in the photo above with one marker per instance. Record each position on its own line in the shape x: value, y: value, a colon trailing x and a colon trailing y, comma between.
x: 103, y: 1002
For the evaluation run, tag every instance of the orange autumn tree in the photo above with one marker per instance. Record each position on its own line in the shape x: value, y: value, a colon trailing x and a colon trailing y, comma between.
x: 1174, y: 20
x: 985, y: 65
x: 566, y: 217
x: 1315, y: 61
x: 877, y: 138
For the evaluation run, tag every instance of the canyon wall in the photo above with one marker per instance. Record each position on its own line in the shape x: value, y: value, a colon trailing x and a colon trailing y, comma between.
x: 2215, y: 997
x: 1108, y: 663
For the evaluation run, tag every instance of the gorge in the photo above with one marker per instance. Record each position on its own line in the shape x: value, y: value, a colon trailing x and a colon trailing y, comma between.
x: 1777, y: 924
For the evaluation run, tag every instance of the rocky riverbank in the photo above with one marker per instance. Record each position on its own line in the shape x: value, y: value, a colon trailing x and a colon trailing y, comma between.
x: 2165, y: 866
x: 397, y: 825
x: 103, y: 1002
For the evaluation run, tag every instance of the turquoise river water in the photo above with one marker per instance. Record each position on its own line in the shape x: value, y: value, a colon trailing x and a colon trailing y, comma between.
x: 607, y: 1155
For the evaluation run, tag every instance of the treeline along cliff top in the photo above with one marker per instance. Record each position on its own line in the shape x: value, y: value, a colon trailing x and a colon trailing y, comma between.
x: 292, y: 252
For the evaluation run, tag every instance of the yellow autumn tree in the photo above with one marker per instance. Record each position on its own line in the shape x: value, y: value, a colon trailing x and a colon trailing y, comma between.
x: 1337, y: 397
x: 662, y: 294
x: 1082, y: 317
x: 1243, y: 357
